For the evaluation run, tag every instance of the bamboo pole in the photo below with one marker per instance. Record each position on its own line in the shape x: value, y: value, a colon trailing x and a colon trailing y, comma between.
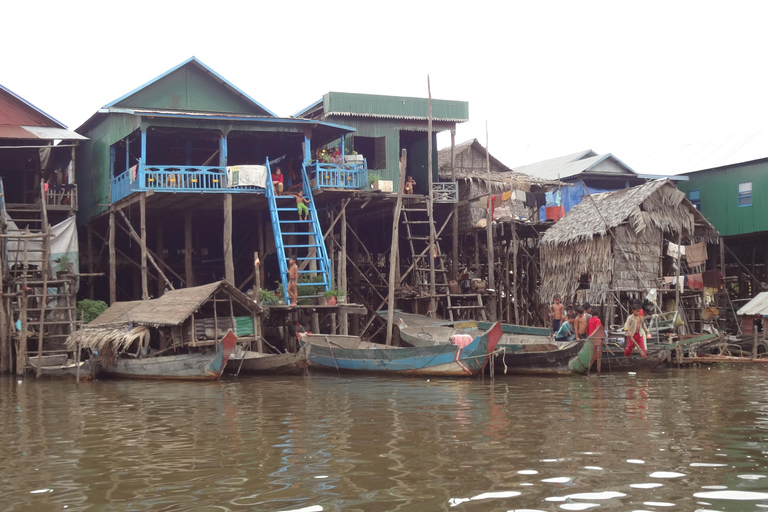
x: 112, y: 260
x: 44, y: 299
x: 489, y: 233
x: 342, y: 284
x: 394, y: 259
x: 21, y: 352
x: 188, y: 271
x: 515, y: 282
x: 89, y: 236
x: 430, y: 207
x: 143, y: 243
x: 455, y: 220
x: 159, y: 245
x: 138, y: 239
x: 229, y: 265
x: 677, y: 272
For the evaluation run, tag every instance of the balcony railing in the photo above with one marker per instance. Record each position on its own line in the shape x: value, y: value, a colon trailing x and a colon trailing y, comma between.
x: 350, y: 176
x: 445, y: 192
x: 61, y: 197
x: 169, y: 178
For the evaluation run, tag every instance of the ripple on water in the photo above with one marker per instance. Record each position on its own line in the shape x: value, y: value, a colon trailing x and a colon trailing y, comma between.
x: 733, y: 495
x: 313, y: 508
x: 645, y: 486
x: 578, y: 506
x: 706, y: 465
x: 666, y: 474
x: 596, y: 468
x: 527, y: 472
x: 636, y: 461
x: 658, y: 504
x: 557, y: 480
x: 453, y: 502
x: 605, y: 495
x: 751, y: 477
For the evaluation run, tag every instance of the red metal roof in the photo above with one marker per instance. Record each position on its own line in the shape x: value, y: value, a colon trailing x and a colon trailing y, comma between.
x: 15, y: 112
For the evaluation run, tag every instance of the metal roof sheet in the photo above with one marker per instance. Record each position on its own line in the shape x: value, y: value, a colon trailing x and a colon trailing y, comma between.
x: 708, y: 154
x: 756, y: 307
x: 571, y: 165
x: 38, y: 133
x: 15, y: 110
x: 392, y: 107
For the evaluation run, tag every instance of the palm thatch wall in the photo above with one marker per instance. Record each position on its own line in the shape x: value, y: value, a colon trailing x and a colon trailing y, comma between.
x: 617, y: 239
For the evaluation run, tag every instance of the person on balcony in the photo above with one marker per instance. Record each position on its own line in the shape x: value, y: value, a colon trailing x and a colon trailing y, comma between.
x: 277, y: 181
x: 409, y: 184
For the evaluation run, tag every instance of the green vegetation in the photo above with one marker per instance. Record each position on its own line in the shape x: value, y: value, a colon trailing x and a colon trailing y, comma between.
x: 89, y: 309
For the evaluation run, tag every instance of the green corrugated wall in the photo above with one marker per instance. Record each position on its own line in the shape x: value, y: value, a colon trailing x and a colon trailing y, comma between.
x: 399, y: 106
x: 719, y: 189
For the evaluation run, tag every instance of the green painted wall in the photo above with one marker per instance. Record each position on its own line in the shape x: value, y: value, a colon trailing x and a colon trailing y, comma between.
x: 719, y: 190
x: 398, y: 106
x: 190, y: 88
x: 93, y: 162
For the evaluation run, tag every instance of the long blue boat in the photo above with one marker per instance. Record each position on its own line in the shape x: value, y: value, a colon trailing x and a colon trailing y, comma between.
x: 351, y: 354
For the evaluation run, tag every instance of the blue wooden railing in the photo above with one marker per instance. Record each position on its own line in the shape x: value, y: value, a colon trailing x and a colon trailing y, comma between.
x: 350, y: 176
x: 171, y: 178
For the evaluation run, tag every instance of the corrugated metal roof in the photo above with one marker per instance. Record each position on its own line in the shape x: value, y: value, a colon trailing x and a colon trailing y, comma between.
x: 756, y: 307
x: 708, y: 154
x: 16, y: 111
x: 38, y: 133
x: 393, y: 107
x: 570, y: 165
x: 173, y: 87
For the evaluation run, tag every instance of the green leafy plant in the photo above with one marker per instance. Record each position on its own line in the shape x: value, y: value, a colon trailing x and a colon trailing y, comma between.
x: 89, y: 309
x: 373, y: 178
x: 267, y: 298
x: 330, y: 293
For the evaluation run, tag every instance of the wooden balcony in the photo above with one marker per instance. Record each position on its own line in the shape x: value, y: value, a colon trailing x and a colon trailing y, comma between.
x: 174, y: 178
x: 349, y: 176
x: 445, y: 192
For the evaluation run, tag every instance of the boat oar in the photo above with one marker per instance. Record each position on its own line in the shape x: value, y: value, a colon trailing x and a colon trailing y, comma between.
x: 332, y: 354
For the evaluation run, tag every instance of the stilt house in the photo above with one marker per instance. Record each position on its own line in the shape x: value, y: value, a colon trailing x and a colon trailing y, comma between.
x: 38, y: 199
x: 608, y: 249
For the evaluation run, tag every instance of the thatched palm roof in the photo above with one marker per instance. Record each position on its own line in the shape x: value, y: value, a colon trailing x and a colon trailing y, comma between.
x: 470, y: 163
x: 173, y: 308
x: 107, y: 338
x: 656, y: 203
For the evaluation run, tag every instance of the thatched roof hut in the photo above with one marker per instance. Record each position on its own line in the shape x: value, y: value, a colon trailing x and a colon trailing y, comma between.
x: 185, y: 317
x: 472, y: 175
x: 617, y: 239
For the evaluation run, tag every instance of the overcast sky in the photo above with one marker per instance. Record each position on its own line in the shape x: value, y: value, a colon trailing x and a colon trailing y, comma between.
x: 550, y: 78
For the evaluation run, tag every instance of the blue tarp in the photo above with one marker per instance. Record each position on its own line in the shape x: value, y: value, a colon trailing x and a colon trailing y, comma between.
x: 568, y: 197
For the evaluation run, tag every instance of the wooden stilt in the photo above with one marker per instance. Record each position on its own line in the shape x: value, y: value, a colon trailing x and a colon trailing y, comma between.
x: 430, y: 207
x: 112, y: 260
x: 143, y: 231
x: 354, y: 290
x: 455, y: 219
x: 261, y: 244
x: 91, y: 256
x: 515, y: 273
x: 489, y: 233
x: 393, y: 253
x: 342, y: 285
x: 141, y: 242
x: 229, y: 264
x: 160, y: 248
x: 189, y: 273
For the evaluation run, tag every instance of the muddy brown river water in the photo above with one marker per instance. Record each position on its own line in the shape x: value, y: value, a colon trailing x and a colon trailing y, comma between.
x: 669, y: 440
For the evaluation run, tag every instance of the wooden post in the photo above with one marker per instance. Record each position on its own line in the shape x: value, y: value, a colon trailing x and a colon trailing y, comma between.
x: 261, y: 243
x: 188, y: 271
x: 89, y: 235
x: 160, y: 248
x: 21, y: 350
x: 44, y: 298
x: 229, y: 265
x: 143, y: 231
x: 5, y: 352
x: 430, y: 207
x: 393, y: 251
x: 138, y: 239
x: 515, y: 281
x: 722, y: 262
x: 477, y: 254
x: 677, y: 274
x: 489, y: 233
x: 112, y: 259
x: 342, y: 284
x: 354, y: 323
x: 455, y: 219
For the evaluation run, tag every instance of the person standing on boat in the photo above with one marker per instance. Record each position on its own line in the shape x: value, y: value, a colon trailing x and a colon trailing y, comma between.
x: 293, y: 281
x: 556, y: 312
x: 598, y: 338
x: 636, y: 329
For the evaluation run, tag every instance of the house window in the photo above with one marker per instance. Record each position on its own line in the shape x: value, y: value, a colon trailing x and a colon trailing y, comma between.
x: 694, y: 196
x: 745, y: 194
x: 374, y: 150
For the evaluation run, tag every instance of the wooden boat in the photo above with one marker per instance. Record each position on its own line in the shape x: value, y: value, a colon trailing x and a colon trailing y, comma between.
x: 194, y: 366
x: 550, y: 357
x: 267, y: 364
x: 613, y: 358
x: 350, y: 353
x: 62, y: 366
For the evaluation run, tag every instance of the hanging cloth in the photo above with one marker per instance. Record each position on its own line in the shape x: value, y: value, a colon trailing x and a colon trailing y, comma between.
x: 695, y: 282
x: 520, y: 196
x: 712, y: 279
x: 675, y: 250
x: 696, y: 254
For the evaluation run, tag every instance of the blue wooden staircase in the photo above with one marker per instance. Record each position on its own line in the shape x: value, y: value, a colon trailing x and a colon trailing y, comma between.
x: 291, y: 233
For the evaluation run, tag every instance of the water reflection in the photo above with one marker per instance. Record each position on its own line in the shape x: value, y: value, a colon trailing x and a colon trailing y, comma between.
x: 623, y: 442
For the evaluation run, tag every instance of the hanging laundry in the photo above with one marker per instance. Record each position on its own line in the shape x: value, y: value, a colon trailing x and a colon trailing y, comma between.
x: 530, y: 200
x: 541, y: 198
x: 506, y: 196
x: 675, y: 250
x: 695, y: 282
x: 696, y: 254
x: 520, y: 196
x: 497, y: 199
x: 712, y: 279
x: 132, y: 175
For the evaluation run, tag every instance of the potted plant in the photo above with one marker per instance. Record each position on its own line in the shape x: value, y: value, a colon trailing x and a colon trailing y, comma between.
x: 330, y: 297
x: 341, y: 297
